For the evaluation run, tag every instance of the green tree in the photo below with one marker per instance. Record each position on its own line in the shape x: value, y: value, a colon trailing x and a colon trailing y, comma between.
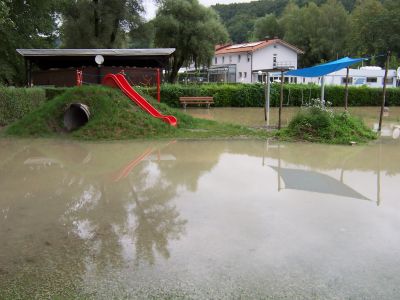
x: 240, y: 28
x: 390, y: 24
x: 142, y: 36
x: 190, y: 28
x: 319, y: 31
x: 367, y: 36
x: 99, y: 23
x: 267, y: 26
x: 333, y: 28
x: 23, y: 24
x: 300, y: 26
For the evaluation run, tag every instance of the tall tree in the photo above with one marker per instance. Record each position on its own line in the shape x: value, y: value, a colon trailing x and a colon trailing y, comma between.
x: 333, y: 28
x: 267, y: 26
x: 142, y: 36
x: 190, y: 28
x: 99, y: 23
x: 320, y: 31
x: 367, y: 34
x: 23, y: 24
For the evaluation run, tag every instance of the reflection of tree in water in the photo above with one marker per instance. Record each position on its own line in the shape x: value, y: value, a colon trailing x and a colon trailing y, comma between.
x: 157, y: 221
x: 82, y: 224
x: 133, y: 216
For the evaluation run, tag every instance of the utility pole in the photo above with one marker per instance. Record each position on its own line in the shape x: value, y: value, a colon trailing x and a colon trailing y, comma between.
x: 384, y: 91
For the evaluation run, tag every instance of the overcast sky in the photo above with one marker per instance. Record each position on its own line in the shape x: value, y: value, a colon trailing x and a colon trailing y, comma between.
x: 151, y: 8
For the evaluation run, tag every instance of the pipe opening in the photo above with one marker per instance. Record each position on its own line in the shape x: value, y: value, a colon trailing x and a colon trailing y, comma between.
x: 75, y: 116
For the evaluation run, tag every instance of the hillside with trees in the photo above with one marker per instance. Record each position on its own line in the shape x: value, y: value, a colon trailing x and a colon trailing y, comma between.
x: 324, y: 29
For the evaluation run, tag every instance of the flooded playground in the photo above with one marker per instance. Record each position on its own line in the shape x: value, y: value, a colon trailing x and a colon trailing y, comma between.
x: 199, y: 220
x: 254, y: 116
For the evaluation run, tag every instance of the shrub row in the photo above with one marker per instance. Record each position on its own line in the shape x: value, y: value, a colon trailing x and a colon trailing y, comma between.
x: 17, y: 102
x: 252, y: 95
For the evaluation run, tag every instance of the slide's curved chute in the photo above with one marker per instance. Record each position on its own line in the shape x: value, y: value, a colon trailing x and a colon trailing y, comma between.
x: 119, y: 81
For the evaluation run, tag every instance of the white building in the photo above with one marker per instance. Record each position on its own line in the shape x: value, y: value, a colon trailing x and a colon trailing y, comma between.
x: 241, y: 62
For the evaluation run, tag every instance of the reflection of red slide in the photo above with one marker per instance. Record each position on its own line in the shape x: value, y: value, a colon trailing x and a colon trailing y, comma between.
x: 119, y: 80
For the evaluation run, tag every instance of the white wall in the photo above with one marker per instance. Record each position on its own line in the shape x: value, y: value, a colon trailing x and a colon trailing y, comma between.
x: 263, y: 58
x: 243, y: 67
x: 258, y: 60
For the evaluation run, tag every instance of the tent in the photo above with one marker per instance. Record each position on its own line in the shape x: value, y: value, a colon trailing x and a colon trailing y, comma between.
x: 324, y: 69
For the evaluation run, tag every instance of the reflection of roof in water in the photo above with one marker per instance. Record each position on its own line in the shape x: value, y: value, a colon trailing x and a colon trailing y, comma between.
x: 307, y: 180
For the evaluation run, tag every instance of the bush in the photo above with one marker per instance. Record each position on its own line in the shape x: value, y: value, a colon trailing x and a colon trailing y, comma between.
x: 252, y: 95
x: 17, y: 102
x: 318, y: 123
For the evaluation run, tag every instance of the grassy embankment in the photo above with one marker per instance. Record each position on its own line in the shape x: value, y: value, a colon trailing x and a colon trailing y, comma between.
x: 318, y: 123
x: 113, y: 116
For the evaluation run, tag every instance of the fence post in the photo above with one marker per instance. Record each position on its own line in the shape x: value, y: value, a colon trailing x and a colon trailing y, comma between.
x: 158, y: 85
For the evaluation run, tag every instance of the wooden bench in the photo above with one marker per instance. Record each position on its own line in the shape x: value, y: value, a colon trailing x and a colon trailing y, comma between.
x: 196, y: 100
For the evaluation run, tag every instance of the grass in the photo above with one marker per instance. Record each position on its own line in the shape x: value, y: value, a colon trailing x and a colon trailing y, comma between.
x: 318, y: 124
x: 114, y: 117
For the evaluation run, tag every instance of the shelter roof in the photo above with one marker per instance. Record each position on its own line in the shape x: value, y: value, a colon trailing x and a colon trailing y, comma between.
x: 326, y: 68
x: 62, y: 58
x: 254, y: 46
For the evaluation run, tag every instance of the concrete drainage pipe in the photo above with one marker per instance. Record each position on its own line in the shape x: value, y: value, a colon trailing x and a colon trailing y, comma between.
x: 76, y: 115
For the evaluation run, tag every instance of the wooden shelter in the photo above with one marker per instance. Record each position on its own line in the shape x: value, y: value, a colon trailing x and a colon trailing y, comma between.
x: 58, y: 67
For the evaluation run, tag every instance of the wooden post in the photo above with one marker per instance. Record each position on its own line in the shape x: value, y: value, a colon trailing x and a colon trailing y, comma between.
x: 268, y: 97
x: 26, y: 72
x: 384, y: 91
x: 158, y: 85
x: 281, y: 102
x: 346, y: 92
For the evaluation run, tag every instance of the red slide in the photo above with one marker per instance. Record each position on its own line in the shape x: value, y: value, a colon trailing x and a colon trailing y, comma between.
x: 119, y: 80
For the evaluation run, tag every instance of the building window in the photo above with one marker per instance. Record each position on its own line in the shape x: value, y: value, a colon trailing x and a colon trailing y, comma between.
x: 245, y: 74
x: 215, y: 60
x: 230, y: 59
x: 372, y: 79
x: 389, y: 80
x: 240, y: 74
x: 350, y: 81
x: 248, y: 57
x: 223, y: 59
x: 239, y: 58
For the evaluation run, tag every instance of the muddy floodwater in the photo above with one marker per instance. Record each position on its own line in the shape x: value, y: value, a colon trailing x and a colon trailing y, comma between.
x: 199, y: 220
x: 254, y: 116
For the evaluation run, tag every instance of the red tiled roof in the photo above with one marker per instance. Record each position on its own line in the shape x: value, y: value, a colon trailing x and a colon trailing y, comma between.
x: 251, y: 47
x: 221, y: 46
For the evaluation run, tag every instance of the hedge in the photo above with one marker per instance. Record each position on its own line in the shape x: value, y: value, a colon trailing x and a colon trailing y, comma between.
x: 17, y: 102
x: 252, y: 95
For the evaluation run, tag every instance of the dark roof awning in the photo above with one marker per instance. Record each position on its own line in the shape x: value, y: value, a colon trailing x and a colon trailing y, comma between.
x: 65, y: 58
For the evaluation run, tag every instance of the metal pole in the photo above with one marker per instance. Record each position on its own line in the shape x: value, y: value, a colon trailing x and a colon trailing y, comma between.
x: 384, y: 91
x: 99, y: 74
x: 268, y: 97
x: 281, y: 102
x: 322, y: 89
x: 346, y: 93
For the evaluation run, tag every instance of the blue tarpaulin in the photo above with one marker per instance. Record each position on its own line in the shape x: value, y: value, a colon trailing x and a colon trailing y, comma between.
x: 327, y: 68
